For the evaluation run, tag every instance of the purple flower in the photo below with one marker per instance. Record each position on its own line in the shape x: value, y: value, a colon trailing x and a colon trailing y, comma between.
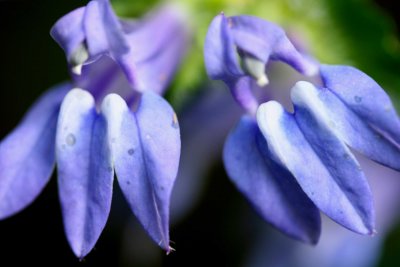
x: 290, y: 165
x: 109, y: 119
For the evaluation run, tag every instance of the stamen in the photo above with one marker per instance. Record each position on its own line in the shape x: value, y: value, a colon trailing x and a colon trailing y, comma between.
x: 256, y: 69
x: 78, y: 57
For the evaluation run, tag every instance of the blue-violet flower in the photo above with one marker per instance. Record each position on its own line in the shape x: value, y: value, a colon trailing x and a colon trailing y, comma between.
x: 291, y: 165
x: 113, y: 119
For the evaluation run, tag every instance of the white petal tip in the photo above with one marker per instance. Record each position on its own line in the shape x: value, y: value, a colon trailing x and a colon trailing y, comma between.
x: 113, y: 101
x: 300, y: 91
x: 269, y: 109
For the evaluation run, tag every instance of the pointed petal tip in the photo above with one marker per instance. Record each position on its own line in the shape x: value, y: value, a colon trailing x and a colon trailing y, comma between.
x: 310, y: 238
x: 169, y: 250
x: 365, y: 230
x: 78, y: 250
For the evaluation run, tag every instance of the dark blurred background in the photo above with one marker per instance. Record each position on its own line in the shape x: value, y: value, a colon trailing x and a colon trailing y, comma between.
x: 212, y: 234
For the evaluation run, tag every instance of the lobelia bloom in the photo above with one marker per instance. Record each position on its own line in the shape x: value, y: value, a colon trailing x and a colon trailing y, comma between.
x: 291, y: 165
x: 109, y: 118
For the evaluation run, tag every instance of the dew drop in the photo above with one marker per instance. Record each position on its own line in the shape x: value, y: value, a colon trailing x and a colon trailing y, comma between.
x: 131, y: 151
x: 346, y: 156
x: 109, y: 168
x: 357, y: 99
x: 175, y: 123
x: 128, y: 182
x: 70, y: 140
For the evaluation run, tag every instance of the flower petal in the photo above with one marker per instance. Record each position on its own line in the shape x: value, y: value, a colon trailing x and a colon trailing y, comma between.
x: 220, y: 57
x: 146, y: 150
x: 165, y: 21
x: 354, y: 129
x: 364, y: 97
x: 241, y: 90
x: 272, y: 190
x: 103, y: 32
x: 321, y: 163
x: 220, y: 54
x: 68, y: 31
x: 156, y: 72
x: 27, y: 153
x: 266, y: 41
x: 85, y: 172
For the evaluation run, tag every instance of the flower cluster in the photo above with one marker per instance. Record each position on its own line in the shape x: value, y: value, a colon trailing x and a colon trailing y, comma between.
x: 110, y: 118
x: 291, y: 165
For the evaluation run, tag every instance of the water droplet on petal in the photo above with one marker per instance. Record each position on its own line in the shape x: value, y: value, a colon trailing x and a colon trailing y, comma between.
x: 70, y: 140
x: 110, y: 169
x: 131, y: 151
x: 175, y: 123
x: 357, y: 99
x: 346, y: 156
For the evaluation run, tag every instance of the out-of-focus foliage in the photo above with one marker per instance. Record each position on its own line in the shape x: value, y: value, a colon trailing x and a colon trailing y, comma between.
x: 352, y: 32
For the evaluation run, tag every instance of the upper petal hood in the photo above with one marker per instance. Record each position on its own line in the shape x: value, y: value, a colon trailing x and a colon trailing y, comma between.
x: 143, y: 50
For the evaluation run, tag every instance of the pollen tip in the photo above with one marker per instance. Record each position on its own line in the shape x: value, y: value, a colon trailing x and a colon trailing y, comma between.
x: 263, y: 81
x: 77, y: 69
